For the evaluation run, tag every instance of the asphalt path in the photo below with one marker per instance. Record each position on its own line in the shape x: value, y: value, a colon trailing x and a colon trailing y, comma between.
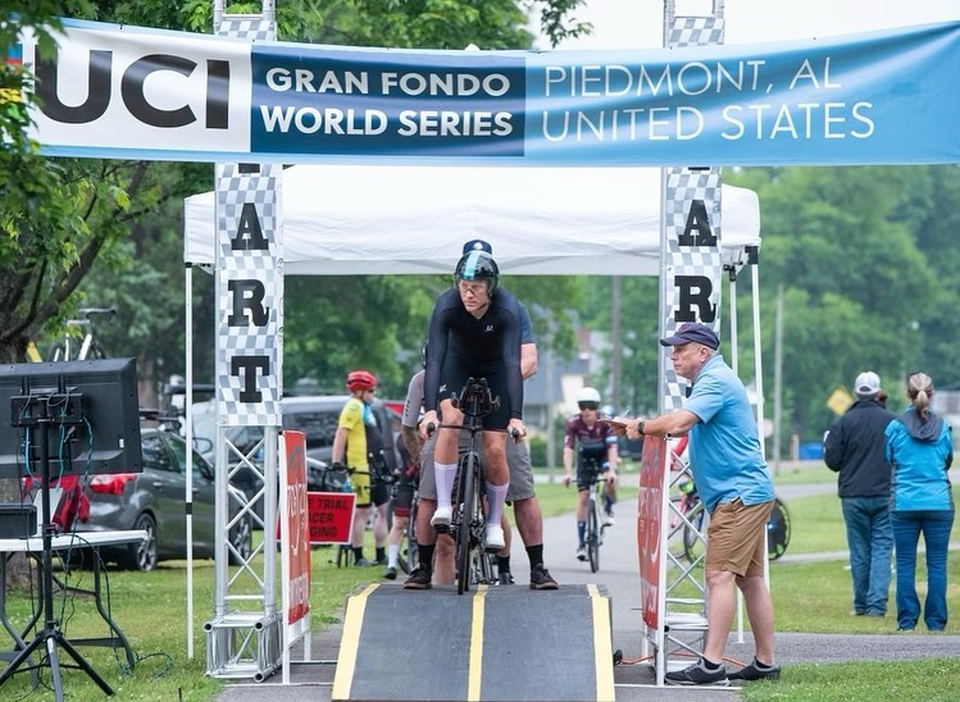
x: 618, y: 574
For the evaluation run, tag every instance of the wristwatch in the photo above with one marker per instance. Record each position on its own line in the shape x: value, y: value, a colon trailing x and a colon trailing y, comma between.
x: 640, y: 427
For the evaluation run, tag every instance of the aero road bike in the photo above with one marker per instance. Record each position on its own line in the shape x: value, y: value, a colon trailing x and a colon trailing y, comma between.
x: 474, y: 564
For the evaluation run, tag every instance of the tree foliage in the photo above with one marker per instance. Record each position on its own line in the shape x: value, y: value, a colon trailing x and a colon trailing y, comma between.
x: 101, y: 233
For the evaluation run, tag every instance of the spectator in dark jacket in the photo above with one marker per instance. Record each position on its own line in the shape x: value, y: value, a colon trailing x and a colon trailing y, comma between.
x: 854, y: 447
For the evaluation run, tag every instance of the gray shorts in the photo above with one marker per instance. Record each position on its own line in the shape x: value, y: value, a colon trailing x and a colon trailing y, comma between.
x: 518, y: 461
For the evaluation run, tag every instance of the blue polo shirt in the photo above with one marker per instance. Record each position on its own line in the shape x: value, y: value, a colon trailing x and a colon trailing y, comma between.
x: 724, y: 448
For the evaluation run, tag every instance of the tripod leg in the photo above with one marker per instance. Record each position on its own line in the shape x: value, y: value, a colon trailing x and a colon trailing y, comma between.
x: 54, y: 662
x: 21, y: 657
x: 81, y: 662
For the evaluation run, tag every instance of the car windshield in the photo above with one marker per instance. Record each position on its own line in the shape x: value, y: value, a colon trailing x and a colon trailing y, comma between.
x: 319, y: 426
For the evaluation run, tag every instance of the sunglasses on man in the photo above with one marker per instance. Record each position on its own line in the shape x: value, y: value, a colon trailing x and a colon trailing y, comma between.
x: 589, y: 405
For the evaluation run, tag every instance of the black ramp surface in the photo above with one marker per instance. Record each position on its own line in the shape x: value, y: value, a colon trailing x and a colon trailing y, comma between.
x: 540, y: 645
x: 413, y: 645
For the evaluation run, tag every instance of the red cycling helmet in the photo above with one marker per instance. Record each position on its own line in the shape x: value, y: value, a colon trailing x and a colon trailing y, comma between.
x: 361, y: 380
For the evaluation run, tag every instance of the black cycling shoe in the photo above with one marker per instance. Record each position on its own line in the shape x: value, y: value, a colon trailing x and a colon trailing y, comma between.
x: 505, y: 578
x: 390, y: 573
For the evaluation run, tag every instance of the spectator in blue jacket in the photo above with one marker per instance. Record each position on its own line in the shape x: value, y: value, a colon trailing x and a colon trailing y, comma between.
x: 854, y: 448
x: 920, y: 449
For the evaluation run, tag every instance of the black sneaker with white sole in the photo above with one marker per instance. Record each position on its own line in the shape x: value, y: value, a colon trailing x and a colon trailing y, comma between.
x: 756, y: 671
x: 698, y: 674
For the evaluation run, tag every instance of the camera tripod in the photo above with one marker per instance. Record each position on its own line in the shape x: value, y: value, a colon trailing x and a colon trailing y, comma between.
x: 48, y: 639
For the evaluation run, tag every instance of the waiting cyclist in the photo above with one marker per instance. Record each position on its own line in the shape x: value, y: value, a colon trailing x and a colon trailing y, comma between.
x: 596, y: 448
x: 475, y: 331
x: 358, y: 443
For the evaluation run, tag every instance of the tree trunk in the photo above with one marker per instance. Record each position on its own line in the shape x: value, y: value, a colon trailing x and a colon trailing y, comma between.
x: 18, y: 574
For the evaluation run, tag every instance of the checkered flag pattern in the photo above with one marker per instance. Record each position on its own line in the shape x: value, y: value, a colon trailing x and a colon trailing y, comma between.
x: 255, y: 341
x: 695, y: 31
x: 682, y: 187
x: 252, y: 28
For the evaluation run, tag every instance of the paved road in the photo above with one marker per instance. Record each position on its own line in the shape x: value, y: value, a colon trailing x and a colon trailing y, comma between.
x: 618, y: 573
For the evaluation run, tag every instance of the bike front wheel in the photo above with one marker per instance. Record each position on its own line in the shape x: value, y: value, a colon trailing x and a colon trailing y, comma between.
x: 464, y: 538
x: 778, y: 530
x: 593, y: 535
x: 694, y: 537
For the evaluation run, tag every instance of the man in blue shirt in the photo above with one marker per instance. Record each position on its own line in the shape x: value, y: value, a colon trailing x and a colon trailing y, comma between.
x: 735, y: 486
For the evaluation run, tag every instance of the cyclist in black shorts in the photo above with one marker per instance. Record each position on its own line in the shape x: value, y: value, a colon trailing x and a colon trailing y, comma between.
x: 595, y: 446
x: 474, y: 331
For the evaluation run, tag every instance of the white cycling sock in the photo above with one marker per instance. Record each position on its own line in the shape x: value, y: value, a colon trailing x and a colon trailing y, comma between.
x: 444, y: 474
x: 393, y: 550
x: 496, y: 496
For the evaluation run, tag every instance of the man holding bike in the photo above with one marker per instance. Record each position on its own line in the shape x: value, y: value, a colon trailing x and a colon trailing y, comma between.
x: 475, y: 331
x: 596, y: 447
x: 735, y: 486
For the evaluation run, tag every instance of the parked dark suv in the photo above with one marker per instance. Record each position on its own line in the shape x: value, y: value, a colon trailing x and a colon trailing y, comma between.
x: 315, y: 415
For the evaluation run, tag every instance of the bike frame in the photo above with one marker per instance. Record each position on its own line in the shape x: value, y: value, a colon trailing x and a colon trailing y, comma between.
x: 468, y: 523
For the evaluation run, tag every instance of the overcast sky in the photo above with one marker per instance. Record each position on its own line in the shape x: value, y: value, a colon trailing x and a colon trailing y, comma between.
x: 620, y: 24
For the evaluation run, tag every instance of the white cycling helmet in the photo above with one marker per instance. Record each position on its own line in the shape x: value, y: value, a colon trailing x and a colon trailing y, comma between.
x: 588, y: 396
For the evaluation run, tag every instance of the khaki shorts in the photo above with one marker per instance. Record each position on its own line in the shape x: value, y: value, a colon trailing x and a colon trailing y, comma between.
x: 735, y: 538
x: 518, y: 461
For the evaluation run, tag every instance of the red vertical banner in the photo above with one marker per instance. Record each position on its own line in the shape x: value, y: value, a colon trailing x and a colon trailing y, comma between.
x: 649, y: 512
x: 295, y: 517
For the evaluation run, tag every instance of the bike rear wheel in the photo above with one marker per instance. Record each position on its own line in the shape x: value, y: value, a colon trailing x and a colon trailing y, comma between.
x: 466, y: 501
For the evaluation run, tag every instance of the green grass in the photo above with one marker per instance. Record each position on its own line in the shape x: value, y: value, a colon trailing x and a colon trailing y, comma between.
x: 808, y: 597
x: 931, y: 680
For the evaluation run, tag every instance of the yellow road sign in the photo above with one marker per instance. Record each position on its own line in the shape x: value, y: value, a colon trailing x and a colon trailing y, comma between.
x: 839, y: 400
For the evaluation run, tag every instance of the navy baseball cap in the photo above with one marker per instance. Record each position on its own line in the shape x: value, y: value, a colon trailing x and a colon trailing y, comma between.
x: 693, y: 332
x: 477, y: 245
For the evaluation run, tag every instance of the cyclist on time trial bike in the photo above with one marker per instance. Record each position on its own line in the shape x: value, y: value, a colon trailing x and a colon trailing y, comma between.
x: 597, y: 448
x: 474, y: 331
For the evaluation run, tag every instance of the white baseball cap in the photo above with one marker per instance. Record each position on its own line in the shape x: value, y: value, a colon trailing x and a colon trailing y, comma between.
x: 867, y: 384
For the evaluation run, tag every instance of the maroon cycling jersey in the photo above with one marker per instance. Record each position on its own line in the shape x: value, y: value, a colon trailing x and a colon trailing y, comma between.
x: 598, y: 437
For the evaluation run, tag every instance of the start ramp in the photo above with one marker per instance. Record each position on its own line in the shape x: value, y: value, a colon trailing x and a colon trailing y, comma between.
x: 499, y: 643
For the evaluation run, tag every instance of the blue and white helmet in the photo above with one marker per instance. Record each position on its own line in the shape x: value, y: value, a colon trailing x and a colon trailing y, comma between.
x: 478, y: 265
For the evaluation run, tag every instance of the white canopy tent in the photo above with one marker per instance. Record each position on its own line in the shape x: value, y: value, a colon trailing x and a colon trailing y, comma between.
x: 367, y: 219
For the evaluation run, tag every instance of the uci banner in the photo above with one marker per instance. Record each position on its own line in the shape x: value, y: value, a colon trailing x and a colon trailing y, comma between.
x: 884, y: 97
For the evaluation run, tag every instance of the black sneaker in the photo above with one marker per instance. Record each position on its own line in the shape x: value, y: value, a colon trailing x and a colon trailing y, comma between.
x: 506, y: 578
x: 390, y: 573
x: 540, y: 579
x: 756, y: 671
x: 364, y: 563
x: 698, y: 674
x: 420, y: 579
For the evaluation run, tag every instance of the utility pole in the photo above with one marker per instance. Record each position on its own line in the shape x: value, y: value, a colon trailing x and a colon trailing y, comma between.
x: 777, y: 379
x: 615, y: 351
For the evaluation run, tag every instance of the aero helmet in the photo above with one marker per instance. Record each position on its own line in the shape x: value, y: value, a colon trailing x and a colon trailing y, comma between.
x: 478, y: 265
x: 361, y: 380
x: 588, y: 396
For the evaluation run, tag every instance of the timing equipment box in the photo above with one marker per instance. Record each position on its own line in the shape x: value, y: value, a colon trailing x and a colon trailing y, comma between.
x: 17, y: 521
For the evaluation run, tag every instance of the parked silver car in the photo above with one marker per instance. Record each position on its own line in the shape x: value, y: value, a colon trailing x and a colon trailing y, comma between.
x: 154, y: 501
